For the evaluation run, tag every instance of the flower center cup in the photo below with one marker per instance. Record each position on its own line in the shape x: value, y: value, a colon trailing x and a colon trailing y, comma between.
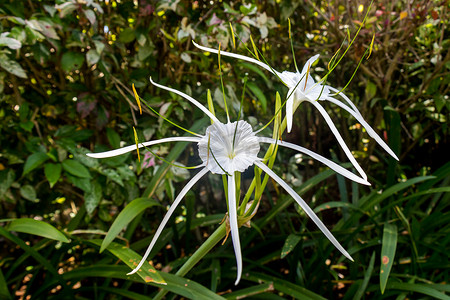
x: 226, y: 148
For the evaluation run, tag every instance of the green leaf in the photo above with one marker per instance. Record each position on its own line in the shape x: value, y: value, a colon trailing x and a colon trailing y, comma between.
x: 389, y: 245
x: 6, y: 180
x: 367, y: 275
x: 75, y: 168
x: 147, y: 272
x: 92, y: 57
x: 127, y: 35
x: 12, y: 66
x: 113, y: 138
x: 425, y: 289
x: 259, y: 94
x: 71, y: 61
x: 4, y: 293
x: 123, y: 292
x: 254, y: 69
x: 29, y: 193
x: 90, y: 15
x: 34, y: 161
x: 289, y: 245
x: 52, y: 173
x: 178, y: 285
x: 10, y: 42
x: 293, y: 290
x: 36, y: 227
x: 92, y: 198
x: 251, y: 291
x: 130, y: 211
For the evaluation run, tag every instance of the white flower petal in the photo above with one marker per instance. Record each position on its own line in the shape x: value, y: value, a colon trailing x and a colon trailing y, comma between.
x: 340, y: 139
x: 238, y: 56
x: 305, y: 207
x: 166, y: 218
x: 187, y: 97
x: 310, y: 63
x: 332, y: 165
x: 141, y: 145
x: 290, y: 109
x: 366, y: 125
x: 346, y: 99
x: 232, y: 212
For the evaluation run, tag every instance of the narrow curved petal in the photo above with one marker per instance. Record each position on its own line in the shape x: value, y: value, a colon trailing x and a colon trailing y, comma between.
x: 332, y: 165
x: 346, y: 99
x: 340, y: 139
x: 238, y: 56
x: 166, y: 218
x: 309, y: 63
x: 127, y: 149
x: 232, y: 213
x: 290, y: 110
x: 305, y: 207
x: 187, y: 97
x: 366, y: 125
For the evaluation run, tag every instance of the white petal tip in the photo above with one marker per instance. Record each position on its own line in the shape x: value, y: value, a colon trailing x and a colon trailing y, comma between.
x: 132, y: 272
x: 95, y: 155
x: 289, y: 127
x: 237, y: 281
x: 366, y: 183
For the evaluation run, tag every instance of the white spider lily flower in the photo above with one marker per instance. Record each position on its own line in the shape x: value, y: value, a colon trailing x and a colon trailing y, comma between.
x: 226, y: 149
x: 302, y: 87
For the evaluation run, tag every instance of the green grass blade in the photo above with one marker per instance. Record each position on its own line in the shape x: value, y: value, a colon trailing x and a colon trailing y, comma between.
x: 362, y: 288
x: 131, y: 259
x: 36, y: 227
x: 130, y: 211
x: 251, y: 291
x: 293, y: 290
x: 289, y: 245
x: 418, y: 288
x: 178, y: 285
x: 389, y: 245
x: 215, y: 274
x: 372, y: 201
x: 122, y: 292
x: 4, y: 293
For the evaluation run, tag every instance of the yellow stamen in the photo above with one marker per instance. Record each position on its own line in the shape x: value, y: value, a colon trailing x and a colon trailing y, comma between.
x: 137, y: 141
x: 289, y: 22
x: 137, y: 98
x: 307, y: 73
x: 232, y: 34
x: 254, y: 48
x: 371, y: 46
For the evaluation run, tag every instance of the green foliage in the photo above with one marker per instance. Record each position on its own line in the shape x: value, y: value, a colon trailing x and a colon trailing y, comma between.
x: 73, y: 226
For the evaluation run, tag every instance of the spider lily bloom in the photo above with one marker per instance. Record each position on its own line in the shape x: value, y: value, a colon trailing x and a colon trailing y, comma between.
x: 227, y: 149
x: 302, y: 87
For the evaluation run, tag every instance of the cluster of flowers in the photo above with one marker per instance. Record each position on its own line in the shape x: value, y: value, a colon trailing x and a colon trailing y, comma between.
x: 232, y: 147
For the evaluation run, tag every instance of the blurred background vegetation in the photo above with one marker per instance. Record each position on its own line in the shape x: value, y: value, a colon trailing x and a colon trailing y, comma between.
x: 66, y: 70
